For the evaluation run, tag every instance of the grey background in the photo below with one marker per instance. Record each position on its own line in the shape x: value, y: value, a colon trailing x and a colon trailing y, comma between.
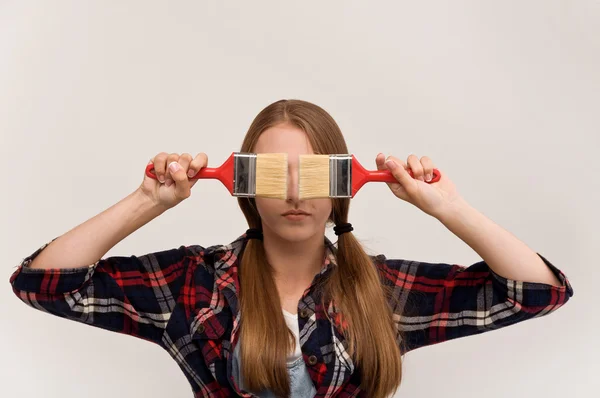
x: 503, y: 96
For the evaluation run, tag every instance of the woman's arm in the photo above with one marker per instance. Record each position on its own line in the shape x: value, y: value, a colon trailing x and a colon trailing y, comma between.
x: 88, y: 242
x: 133, y: 295
x: 502, y: 251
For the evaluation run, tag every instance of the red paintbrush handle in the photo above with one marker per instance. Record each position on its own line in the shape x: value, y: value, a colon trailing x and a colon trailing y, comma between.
x: 223, y: 173
x: 386, y: 176
x: 360, y: 176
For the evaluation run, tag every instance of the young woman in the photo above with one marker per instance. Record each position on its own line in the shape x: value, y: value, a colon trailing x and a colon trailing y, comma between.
x: 281, y: 310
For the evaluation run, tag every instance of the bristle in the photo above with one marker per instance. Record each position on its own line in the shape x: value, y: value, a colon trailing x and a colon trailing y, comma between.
x: 271, y: 175
x: 313, y: 176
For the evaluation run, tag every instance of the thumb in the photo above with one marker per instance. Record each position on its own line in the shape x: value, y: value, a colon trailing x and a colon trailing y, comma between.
x: 182, y: 185
x: 407, y: 182
x: 380, y: 161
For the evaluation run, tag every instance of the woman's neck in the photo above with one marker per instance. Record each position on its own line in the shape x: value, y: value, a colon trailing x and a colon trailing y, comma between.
x: 295, y: 263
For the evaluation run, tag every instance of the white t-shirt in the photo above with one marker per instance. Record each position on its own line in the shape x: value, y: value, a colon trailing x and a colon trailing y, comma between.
x: 292, y: 322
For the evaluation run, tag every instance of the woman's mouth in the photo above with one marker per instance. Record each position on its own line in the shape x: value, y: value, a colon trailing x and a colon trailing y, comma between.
x: 295, y: 215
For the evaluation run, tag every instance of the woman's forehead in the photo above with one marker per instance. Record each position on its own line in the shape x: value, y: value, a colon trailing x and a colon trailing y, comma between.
x: 284, y: 139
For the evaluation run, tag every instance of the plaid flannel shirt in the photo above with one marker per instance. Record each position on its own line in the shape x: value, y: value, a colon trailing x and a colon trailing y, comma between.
x: 186, y: 301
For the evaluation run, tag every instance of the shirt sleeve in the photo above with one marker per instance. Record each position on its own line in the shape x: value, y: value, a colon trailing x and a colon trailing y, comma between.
x: 133, y: 295
x: 436, y: 302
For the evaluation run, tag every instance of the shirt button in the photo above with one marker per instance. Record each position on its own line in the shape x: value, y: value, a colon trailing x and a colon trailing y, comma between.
x: 312, y: 360
x: 304, y: 313
x: 201, y: 328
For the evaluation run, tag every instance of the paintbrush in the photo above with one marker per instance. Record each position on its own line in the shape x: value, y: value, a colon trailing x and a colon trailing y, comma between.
x: 339, y: 176
x: 248, y: 174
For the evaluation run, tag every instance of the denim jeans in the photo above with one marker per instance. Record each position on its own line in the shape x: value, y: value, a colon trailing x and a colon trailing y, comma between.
x: 301, y: 385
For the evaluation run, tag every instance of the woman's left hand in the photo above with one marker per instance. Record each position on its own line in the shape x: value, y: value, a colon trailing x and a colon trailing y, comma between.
x: 432, y: 198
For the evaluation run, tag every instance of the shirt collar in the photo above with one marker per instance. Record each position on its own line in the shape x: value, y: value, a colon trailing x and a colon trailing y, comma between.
x: 227, y: 256
x: 225, y: 259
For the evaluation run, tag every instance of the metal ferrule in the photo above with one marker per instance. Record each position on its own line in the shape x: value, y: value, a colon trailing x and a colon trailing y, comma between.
x: 340, y: 176
x: 244, y: 175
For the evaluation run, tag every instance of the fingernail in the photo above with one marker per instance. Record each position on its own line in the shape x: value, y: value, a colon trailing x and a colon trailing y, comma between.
x: 428, y: 177
x: 173, y: 166
x: 161, y: 178
x: 191, y: 173
x: 390, y: 164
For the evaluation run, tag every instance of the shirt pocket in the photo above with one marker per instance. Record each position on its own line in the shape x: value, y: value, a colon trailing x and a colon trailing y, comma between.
x: 208, y: 324
x: 208, y: 332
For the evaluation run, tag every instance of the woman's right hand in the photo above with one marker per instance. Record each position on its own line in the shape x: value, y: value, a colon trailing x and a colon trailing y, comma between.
x: 172, y: 186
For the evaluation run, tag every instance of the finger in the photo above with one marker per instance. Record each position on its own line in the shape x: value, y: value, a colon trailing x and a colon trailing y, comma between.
x: 380, y: 161
x: 199, y: 162
x: 160, y: 165
x: 173, y: 157
x: 184, y: 161
x: 405, y: 180
x: 415, y: 165
x: 398, y: 161
x: 182, y: 184
x: 428, y: 166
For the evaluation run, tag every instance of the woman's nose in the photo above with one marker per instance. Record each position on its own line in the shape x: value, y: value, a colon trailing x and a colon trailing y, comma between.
x: 292, y: 183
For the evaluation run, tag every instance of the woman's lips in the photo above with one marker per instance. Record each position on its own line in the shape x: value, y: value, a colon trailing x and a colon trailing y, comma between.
x: 296, y: 217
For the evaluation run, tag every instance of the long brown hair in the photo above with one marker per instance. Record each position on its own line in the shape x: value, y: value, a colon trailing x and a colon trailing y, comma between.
x: 354, y: 285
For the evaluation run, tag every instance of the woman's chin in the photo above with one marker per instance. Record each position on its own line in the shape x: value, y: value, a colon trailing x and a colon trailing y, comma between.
x: 296, y: 233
